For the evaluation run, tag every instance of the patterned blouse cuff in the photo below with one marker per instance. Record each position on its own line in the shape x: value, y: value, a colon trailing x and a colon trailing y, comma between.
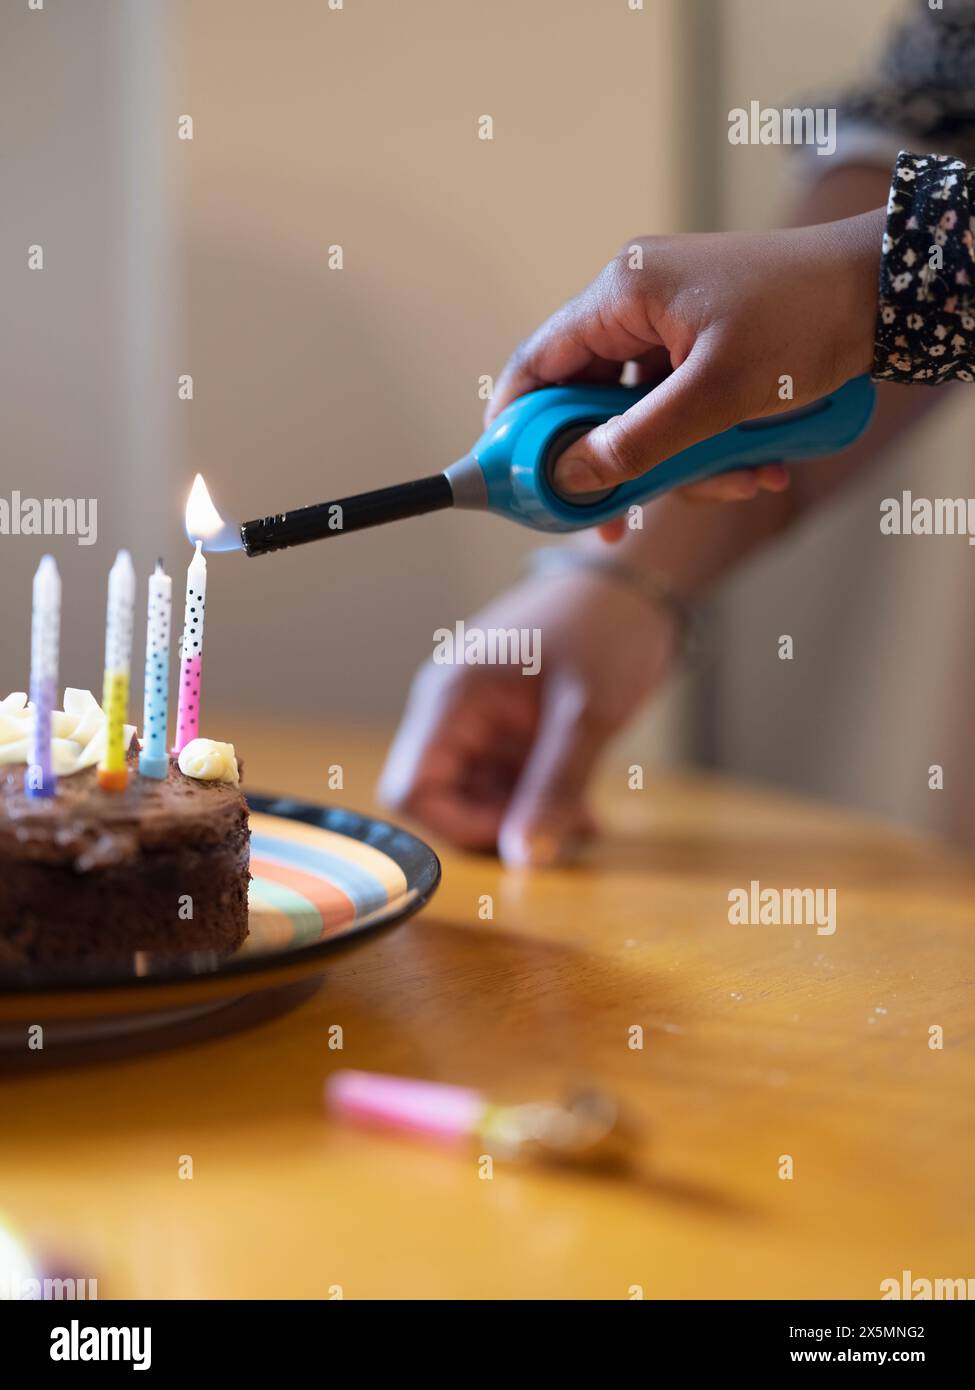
x: 926, y: 314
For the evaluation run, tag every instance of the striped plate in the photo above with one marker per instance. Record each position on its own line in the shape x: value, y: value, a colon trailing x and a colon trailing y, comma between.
x: 319, y: 874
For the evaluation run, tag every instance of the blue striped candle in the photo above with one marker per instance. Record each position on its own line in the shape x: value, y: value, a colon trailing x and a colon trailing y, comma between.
x: 154, y: 758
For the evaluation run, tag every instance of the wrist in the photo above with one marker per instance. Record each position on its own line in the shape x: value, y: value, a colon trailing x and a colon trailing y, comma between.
x: 852, y: 264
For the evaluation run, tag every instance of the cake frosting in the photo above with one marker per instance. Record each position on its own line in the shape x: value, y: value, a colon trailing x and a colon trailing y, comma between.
x: 78, y: 732
x: 209, y: 761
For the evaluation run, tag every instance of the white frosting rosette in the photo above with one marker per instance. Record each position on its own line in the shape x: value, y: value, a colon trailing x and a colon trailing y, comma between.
x: 209, y: 761
x: 77, y: 731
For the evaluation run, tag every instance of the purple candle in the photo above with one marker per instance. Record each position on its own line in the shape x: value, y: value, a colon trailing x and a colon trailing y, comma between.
x: 39, y: 779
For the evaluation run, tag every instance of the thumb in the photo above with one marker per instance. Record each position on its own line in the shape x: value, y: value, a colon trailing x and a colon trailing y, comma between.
x: 688, y: 406
x: 546, y: 812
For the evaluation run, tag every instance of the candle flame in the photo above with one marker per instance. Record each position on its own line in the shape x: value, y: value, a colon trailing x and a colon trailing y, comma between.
x: 202, y: 517
x: 204, y: 524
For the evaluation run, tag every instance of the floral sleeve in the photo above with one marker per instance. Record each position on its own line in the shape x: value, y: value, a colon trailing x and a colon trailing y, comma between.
x: 926, y: 316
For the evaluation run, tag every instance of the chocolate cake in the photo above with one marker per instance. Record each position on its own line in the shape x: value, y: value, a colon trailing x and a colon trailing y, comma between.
x: 161, y: 867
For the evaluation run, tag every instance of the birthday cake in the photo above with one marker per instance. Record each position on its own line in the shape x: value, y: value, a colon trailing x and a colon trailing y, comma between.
x: 160, y: 867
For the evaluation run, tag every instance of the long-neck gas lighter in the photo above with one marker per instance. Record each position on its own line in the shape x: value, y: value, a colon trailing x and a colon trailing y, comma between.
x: 510, y: 470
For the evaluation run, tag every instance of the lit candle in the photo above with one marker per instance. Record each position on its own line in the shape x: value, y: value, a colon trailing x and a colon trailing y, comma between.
x: 154, y: 759
x: 45, y: 632
x: 113, y: 775
x: 191, y: 652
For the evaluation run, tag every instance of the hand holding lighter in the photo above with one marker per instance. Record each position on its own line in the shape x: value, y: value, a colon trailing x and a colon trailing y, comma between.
x: 510, y: 470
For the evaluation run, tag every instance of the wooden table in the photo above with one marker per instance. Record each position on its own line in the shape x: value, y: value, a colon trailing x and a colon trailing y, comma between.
x: 759, y: 1042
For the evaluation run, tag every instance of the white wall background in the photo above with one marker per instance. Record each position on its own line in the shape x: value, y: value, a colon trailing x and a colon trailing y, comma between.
x: 358, y: 127
x: 85, y: 132
x: 311, y: 127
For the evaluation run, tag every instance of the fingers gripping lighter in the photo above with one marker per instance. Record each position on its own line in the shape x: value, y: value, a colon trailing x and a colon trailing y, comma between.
x: 510, y: 470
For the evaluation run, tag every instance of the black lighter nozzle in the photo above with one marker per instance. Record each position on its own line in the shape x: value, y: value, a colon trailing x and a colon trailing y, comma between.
x: 326, y: 519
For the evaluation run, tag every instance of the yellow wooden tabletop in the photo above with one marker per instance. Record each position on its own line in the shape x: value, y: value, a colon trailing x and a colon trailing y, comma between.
x: 759, y: 1042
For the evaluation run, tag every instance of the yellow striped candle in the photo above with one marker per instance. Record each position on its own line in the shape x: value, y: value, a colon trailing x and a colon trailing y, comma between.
x: 113, y: 775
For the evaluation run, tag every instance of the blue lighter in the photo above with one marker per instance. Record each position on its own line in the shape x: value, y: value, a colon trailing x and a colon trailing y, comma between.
x: 509, y: 470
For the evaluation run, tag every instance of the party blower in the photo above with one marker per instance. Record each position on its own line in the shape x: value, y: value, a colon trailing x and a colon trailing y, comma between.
x: 510, y: 470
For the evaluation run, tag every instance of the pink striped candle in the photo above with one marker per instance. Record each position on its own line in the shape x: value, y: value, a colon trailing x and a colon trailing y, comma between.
x: 191, y: 652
